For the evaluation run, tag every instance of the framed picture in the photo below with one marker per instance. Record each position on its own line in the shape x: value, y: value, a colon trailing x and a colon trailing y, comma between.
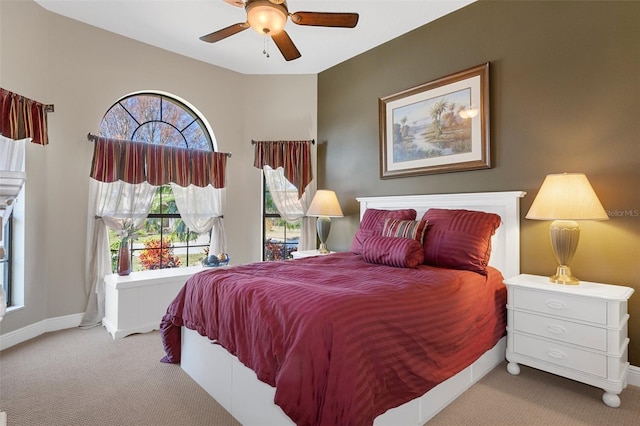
x: 437, y: 127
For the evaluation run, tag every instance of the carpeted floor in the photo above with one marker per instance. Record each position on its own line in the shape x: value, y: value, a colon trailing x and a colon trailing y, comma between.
x: 81, y: 377
x: 537, y: 398
x: 85, y: 378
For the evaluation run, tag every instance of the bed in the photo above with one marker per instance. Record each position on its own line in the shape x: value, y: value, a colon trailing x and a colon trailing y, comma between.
x: 330, y: 349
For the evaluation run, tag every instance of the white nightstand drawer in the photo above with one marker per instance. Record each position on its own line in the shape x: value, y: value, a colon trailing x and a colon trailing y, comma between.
x: 565, y: 305
x: 565, y: 356
x: 564, y: 331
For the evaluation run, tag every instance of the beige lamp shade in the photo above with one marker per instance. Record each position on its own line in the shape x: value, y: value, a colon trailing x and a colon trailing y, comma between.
x: 566, y: 196
x: 564, y: 199
x: 325, y: 204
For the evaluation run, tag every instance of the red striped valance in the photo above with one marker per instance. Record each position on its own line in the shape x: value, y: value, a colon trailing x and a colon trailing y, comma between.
x: 136, y: 162
x: 21, y: 118
x: 293, y: 156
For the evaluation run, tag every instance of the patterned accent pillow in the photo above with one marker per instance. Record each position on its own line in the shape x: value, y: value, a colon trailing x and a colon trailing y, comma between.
x: 372, y: 224
x: 393, y: 251
x: 414, y: 229
x: 459, y: 239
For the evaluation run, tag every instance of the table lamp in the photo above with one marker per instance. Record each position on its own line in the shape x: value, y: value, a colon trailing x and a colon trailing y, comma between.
x: 565, y: 198
x: 324, y: 206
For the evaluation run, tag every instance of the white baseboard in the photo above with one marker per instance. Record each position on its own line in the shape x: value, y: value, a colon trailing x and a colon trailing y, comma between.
x: 634, y: 376
x: 34, y: 330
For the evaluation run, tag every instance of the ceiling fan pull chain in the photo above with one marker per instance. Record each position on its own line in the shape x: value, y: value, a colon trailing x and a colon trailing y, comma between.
x: 265, y: 49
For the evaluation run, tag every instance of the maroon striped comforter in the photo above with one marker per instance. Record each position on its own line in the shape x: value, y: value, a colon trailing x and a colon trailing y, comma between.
x: 342, y: 340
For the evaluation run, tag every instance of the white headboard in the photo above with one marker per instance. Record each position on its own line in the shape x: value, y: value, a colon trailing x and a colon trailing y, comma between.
x: 505, y: 253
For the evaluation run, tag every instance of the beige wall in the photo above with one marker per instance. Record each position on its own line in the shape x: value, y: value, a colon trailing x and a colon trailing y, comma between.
x: 564, y: 94
x: 83, y: 71
x: 277, y: 109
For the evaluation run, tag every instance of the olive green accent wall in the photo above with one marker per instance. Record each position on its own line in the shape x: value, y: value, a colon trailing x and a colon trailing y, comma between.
x: 564, y: 93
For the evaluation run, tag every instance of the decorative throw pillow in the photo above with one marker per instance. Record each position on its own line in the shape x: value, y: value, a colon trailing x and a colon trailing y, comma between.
x: 372, y: 224
x: 393, y: 251
x: 459, y: 239
x: 413, y: 229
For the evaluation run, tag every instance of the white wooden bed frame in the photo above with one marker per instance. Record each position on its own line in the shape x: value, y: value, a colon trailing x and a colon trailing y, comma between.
x: 250, y: 401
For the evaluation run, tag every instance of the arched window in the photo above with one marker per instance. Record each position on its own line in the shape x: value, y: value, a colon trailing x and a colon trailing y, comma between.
x: 159, y: 118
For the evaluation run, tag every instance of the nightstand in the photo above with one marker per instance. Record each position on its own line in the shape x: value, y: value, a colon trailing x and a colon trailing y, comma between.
x: 574, y: 331
x: 307, y: 253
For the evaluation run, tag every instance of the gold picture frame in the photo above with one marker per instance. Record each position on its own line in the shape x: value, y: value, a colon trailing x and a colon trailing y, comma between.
x: 438, y: 127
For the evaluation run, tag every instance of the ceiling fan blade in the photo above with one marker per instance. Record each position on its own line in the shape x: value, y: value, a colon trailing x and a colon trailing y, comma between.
x: 286, y: 46
x: 325, y: 19
x: 225, y: 32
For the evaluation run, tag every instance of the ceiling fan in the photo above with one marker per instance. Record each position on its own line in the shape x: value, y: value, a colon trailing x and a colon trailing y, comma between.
x: 268, y: 17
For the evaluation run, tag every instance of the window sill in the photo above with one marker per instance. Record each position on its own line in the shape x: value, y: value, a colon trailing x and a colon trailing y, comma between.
x: 14, y: 309
x: 150, y: 278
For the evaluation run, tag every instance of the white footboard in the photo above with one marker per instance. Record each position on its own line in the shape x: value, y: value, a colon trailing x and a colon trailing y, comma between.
x: 250, y: 401
x: 229, y: 382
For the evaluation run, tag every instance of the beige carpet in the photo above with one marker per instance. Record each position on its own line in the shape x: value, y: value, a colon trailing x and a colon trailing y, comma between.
x: 85, y: 378
x: 537, y: 398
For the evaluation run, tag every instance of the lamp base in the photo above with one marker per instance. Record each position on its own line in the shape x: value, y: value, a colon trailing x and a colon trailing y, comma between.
x: 563, y: 276
x: 565, y: 235
x: 324, y: 226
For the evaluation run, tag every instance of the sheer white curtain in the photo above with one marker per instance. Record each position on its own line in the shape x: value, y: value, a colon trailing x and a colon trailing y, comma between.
x: 202, y: 209
x: 11, y: 160
x: 291, y: 208
x: 119, y: 206
x: 12, y: 154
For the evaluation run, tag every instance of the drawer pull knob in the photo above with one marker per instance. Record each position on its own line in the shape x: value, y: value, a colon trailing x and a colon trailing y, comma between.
x: 556, y: 354
x: 556, y: 329
x: 556, y: 304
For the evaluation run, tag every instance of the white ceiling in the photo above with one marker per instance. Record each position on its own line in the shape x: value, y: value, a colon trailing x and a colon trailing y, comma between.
x: 176, y: 25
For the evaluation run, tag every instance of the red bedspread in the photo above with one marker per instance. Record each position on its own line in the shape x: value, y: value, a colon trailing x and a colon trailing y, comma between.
x: 342, y: 340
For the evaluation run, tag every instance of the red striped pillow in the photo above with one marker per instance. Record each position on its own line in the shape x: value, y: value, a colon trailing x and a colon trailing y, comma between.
x: 413, y: 229
x: 393, y: 251
x: 372, y: 224
x: 459, y: 239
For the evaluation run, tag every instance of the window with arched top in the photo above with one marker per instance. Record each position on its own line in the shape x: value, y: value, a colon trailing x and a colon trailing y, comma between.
x: 159, y: 119
x: 164, y: 241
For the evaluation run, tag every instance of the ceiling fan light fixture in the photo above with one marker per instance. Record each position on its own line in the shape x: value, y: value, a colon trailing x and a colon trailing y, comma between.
x: 266, y: 17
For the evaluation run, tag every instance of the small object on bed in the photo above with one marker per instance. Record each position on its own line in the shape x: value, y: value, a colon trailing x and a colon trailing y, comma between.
x: 372, y: 224
x: 393, y: 251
